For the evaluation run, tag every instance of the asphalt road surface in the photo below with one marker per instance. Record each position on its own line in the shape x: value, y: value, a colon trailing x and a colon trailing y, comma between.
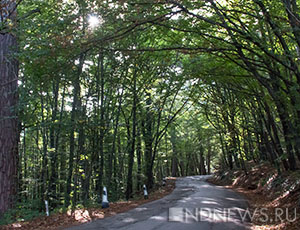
x: 193, y: 205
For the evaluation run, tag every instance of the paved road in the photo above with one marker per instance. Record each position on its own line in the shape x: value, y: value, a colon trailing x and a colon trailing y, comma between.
x: 193, y: 205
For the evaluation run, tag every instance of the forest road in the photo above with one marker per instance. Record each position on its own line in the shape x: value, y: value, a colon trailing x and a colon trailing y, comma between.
x: 194, y: 204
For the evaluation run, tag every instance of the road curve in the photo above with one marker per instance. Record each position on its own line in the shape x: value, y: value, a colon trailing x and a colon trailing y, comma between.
x: 194, y: 204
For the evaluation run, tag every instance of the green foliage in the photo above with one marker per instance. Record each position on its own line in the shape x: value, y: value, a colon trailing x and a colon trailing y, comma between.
x: 23, y: 211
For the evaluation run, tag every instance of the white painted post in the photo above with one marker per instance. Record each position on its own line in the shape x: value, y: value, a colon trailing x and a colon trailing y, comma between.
x: 47, y: 207
x: 105, y: 203
x: 145, y: 192
x: 164, y: 181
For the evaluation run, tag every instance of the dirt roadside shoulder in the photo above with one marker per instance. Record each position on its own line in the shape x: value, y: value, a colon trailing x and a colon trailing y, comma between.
x: 60, y: 221
x: 273, y: 199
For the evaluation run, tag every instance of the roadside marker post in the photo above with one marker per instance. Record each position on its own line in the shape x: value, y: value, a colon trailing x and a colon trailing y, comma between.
x: 105, y: 203
x: 145, y: 192
x: 47, y: 207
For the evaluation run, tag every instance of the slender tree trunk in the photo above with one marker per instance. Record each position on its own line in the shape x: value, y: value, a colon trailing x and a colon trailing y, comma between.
x: 240, y: 154
x: 44, y: 169
x: 174, y: 166
x: 113, y: 149
x: 102, y: 129
x: 74, y: 118
x: 208, y: 159
x: 53, y: 153
x: 227, y: 161
x: 20, y: 171
x: 202, y: 160
x: 275, y: 137
x: 121, y: 165
x: 139, y: 160
x: 80, y: 152
x: 62, y: 160
x: 25, y: 174
x: 129, y: 188
x: 147, y: 133
x: 286, y: 126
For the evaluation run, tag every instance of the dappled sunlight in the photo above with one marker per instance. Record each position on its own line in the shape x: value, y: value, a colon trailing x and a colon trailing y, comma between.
x: 98, y: 214
x: 233, y: 199
x: 186, y: 199
x: 158, y: 218
x: 209, y: 202
x: 129, y: 220
x: 16, y: 225
x: 141, y: 209
x: 205, y: 186
x: 82, y: 216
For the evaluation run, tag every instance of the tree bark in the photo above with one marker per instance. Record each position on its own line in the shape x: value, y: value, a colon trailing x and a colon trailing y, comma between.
x: 53, y: 154
x: 113, y: 149
x: 275, y: 139
x: 8, y: 121
x: 129, y: 188
x: 74, y: 118
x: 139, y: 160
x: 102, y: 125
x: 147, y: 133
x: 208, y: 159
x: 202, y: 161
x: 174, y: 166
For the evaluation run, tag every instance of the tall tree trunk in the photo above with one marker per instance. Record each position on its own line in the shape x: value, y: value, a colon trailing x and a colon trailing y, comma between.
x: 139, y: 160
x: 129, y: 189
x: 8, y: 121
x: 202, y: 161
x: 53, y: 153
x: 147, y: 133
x: 80, y: 152
x: 113, y: 149
x: 44, y: 169
x: 62, y: 160
x: 121, y: 166
x: 286, y: 125
x: 102, y: 129
x: 174, y: 166
x: 275, y: 137
x: 24, y: 187
x: 208, y: 159
x: 74, y: 118
x: 241, y: 155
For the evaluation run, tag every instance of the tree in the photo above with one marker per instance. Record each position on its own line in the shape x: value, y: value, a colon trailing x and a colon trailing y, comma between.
x: 9, y: 129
